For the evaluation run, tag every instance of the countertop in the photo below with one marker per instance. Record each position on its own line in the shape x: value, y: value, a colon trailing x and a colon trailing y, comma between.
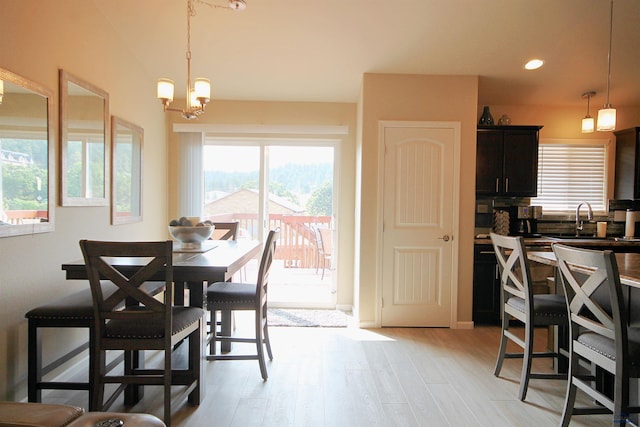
x: 594, y: 242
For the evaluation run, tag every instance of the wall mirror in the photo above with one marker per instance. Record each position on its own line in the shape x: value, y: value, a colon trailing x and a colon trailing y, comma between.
x: 27, y: 155
x: 126, y: 171
x: 84, y: 143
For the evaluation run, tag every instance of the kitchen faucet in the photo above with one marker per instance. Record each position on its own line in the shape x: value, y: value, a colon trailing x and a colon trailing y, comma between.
x: 579, y: 226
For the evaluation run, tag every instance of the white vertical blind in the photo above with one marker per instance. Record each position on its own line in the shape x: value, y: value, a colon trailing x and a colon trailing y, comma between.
x: 190, y: 175
x: 570, y: 172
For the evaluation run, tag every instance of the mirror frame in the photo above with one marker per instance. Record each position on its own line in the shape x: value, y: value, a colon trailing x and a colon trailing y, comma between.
x: 65, y: 79
x: 137, y: 133
x: 40, y: 227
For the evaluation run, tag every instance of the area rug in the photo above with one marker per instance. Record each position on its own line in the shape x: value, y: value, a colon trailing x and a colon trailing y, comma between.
x: 308, y: 318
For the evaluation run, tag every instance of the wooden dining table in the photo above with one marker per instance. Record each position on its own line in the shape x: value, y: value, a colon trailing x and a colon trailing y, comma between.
x: 193, y: 269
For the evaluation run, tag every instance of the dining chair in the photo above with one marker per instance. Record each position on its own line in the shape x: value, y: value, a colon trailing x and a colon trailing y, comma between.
x: 245, y: 296
x: 144, y: 323
x: 225, y: 231
x: 517, y: 301
x: 599, y: 333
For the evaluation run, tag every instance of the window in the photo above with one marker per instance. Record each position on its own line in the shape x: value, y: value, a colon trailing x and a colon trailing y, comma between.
x: 570, y: 172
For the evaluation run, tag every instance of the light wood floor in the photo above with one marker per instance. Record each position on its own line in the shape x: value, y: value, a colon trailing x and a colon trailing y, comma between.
x: 378, y: 377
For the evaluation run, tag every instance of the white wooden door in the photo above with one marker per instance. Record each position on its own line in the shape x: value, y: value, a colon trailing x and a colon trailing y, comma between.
x: 420, y: 216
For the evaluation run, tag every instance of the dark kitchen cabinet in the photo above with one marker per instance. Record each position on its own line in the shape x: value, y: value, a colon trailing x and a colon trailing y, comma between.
x: 486, y: 285
x: 627, y: 182
x: 507, y: 161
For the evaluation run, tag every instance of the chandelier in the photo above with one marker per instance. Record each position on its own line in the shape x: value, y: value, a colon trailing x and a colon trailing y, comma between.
x: 199, y: 94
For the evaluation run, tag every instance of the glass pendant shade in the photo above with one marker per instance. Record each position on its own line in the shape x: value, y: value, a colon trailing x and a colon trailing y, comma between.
x: 193, y: 101
x: 607, y: 119
x: 202, y: 89
x: 165, y: 89
x: 588, y: 124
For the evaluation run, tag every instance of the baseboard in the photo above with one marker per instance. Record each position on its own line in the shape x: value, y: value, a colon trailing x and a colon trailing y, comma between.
x: 347, y: 308
x: 464, y: 325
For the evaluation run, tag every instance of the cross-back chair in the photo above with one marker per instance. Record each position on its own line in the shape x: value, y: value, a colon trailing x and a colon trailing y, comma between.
x: 599, y: 333
x: 132, y: 320
x: 517, y: 301
x: 225, y: 231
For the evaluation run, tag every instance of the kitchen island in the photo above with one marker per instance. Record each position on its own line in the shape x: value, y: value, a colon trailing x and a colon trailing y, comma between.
x: 486, y: 283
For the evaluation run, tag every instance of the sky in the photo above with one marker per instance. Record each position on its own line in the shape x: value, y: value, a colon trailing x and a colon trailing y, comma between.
x: 247, y: 158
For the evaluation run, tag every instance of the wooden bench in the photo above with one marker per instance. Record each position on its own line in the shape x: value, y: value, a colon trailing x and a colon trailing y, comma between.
x: 73, y: 311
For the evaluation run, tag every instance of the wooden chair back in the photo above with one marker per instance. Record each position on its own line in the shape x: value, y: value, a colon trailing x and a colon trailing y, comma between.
x: 225, y: 231
x: 131, y: 301
x: 587, y: 275
x: 513, y: 265
x: 264, y: 269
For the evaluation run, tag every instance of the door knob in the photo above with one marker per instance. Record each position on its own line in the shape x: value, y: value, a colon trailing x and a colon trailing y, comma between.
x: 445, y: 238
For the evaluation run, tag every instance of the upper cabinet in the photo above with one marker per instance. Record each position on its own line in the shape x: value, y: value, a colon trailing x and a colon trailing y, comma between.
x: 627, y: 183
x: 507, y: 161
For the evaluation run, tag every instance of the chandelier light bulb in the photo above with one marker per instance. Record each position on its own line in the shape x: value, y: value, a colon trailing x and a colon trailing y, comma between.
x: 202, y: 90
x: 193, y: 100
x: 165, y: 90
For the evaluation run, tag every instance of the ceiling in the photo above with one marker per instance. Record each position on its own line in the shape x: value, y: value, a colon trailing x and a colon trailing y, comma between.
x: 318, y: 50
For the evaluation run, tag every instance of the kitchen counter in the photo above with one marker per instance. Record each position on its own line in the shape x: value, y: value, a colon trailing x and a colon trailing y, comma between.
x: 615, y: 244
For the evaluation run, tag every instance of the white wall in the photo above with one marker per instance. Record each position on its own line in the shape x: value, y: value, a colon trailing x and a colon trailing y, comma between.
x: 38, y: 38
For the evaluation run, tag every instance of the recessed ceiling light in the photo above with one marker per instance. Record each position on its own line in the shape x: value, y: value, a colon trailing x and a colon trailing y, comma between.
x: 534, y: 64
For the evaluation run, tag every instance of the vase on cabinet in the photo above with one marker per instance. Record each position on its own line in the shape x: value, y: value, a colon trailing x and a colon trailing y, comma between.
x: 486, y: 119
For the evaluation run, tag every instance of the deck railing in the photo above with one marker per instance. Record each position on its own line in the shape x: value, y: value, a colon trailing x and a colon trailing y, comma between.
x: 296, y: 244
x: 24, y: 216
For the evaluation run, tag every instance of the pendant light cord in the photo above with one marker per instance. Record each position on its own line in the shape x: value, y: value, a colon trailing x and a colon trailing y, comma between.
x: 191, y: 11
x: 609, y: 55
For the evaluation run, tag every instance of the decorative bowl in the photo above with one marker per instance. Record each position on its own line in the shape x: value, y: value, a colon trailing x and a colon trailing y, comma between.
x: 191, y: 236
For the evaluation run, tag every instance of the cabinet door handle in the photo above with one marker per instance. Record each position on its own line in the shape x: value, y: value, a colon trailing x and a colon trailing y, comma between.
x: 497, y: 185
x: 506, y: 185
x: 487, y: 252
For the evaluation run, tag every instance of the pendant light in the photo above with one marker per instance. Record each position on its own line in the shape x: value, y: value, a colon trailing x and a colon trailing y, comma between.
x: 588, y: 124
x: 607, y: 115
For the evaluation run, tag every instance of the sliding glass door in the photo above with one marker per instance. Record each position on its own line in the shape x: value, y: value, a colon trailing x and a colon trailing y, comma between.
x: 268, y: 183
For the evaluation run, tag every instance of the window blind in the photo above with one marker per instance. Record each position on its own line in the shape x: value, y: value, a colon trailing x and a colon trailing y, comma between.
x: 570, y: 173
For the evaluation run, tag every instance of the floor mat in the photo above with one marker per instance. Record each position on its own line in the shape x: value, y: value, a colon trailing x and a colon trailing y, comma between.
x: 309, y: 318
